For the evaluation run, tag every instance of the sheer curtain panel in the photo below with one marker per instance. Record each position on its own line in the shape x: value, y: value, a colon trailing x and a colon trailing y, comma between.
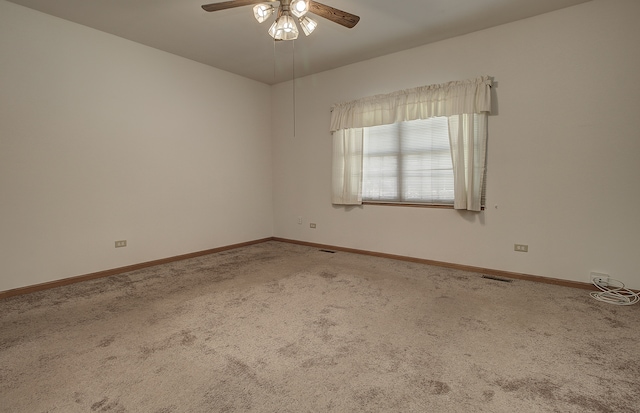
x: 468, y: 139
x: 347, y: 167
x: 466, y: 103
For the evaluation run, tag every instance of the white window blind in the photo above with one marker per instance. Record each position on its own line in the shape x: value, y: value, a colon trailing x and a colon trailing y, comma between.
x: 408, y: 162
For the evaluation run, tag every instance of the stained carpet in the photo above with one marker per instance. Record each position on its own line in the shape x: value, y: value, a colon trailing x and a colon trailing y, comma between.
x: 277, y: 327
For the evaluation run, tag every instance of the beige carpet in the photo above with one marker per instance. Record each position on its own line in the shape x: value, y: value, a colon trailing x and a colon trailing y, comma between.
x: 277, y: 327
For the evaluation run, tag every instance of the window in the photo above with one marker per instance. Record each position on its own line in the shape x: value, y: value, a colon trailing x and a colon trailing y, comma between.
x: 408, y: 162
x: 423, y: 145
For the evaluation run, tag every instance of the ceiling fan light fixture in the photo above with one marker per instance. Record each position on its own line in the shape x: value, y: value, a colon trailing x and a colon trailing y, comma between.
x: 262, y: 12
x: 299, y: 7
x: 308, y: 25
x: 285, y: 28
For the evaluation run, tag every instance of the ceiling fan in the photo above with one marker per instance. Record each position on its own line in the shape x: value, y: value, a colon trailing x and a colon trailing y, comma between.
x: 284, y: 27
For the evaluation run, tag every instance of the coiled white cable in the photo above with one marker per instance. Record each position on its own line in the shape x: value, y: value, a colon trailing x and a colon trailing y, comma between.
x: 615, y: 293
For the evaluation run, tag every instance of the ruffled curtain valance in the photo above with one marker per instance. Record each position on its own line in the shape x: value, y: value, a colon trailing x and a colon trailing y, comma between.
x: 447, y: 99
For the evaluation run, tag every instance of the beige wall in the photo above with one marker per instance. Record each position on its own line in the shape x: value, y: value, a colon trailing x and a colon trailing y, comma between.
x: 103, y: 139
x: 564, y: 149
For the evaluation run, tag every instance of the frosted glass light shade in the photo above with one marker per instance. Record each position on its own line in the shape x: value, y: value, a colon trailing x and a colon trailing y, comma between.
x: 285, y: 28
x: 308, y: 25
x: 299, y: 7
x: 262, y: 12
x: 272, y: 30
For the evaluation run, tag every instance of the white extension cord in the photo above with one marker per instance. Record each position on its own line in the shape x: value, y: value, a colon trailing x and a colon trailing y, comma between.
x: 614, y: 292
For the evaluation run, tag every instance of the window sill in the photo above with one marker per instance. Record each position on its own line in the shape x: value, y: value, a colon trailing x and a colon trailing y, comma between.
x: 407, y: 204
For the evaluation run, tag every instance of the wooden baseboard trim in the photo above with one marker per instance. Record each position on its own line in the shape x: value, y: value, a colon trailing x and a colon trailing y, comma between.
x: 488, y: 271
x: 134, y: 267
x: 100, y: 274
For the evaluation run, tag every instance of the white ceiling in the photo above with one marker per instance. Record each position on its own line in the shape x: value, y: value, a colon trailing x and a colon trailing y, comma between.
x: 234, y: 41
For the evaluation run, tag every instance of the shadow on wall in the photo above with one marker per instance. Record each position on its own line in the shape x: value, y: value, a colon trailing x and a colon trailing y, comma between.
x: 471, y: 216
x: 347, y: 208
x: 495, y: 110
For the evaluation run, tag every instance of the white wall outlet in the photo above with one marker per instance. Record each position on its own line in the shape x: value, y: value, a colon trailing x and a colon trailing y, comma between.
x: 122, y: 243
x: 299, y: 220
x: 599, y: 278
x: 521, y: 247
x: 312, y: 225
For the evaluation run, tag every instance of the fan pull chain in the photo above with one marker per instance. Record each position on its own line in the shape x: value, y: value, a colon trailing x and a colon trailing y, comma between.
x: 274, y: 61
x: 293, y: 59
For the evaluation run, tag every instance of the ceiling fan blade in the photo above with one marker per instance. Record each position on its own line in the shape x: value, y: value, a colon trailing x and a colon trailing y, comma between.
x: 337, y: 16
x: 231, y: 4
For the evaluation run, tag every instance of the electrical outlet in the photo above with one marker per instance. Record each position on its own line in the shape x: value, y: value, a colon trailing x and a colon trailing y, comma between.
x: 520, y: 247
x: 120, y: 244
x: 599, y: 278
x: 312, y: 225
x: 299, y: 220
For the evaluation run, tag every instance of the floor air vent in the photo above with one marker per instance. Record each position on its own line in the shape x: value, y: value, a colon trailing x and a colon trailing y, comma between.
x: 491, y: 277
x: 330, y: 252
